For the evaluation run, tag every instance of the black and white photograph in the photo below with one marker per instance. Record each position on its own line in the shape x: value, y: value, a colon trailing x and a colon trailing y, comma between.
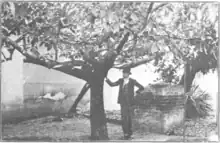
x: 109, y: 71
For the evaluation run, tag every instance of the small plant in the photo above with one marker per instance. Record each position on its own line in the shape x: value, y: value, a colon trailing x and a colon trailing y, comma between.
x: 199, y: 99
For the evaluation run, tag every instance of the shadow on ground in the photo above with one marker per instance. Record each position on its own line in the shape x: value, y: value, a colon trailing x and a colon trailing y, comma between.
x: 29, y: 138
x: 189, y: 139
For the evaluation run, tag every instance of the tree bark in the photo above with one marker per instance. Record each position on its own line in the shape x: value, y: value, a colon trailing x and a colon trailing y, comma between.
x: 189, y: 75
x: 181, y: 82
x: 97, y: 112
x: 186, y: 77
x: 78, y: 99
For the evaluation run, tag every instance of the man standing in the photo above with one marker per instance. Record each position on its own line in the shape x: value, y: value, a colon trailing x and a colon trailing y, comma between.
x: 126, y: 99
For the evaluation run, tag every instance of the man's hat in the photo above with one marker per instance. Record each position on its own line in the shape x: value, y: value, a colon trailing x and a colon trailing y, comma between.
x: 127, y: 70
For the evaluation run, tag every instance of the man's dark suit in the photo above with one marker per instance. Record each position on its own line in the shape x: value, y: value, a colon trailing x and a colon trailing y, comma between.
x: 126, y: 100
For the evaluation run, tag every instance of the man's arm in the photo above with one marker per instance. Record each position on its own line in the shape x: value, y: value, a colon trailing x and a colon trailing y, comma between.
x: 113, y: 83
x: 141, y: 88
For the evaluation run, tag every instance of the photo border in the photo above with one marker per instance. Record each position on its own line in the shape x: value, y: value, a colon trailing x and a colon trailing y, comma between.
x: 218, y: 98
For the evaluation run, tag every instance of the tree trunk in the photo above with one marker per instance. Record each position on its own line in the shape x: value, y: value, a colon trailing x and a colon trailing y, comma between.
x: 188, y: 77
x: 97, y: 112
x: 78, y: 99
x: 181, y: 82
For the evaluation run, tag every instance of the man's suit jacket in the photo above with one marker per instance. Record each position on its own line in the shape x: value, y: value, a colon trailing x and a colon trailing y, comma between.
x: 131, y: 85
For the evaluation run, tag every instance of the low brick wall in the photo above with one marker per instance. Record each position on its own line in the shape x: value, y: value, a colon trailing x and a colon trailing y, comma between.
x: 159, y: 113
x: 172, y: 119
x: 147, y: 120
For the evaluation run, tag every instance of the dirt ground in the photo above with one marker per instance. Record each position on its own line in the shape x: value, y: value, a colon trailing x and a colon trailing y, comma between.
x: 73, y: 129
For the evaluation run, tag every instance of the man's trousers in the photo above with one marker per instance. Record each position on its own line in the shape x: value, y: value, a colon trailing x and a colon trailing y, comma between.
x: 126, y: 117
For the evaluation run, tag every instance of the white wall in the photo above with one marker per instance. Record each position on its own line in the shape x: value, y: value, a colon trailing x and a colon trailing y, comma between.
x: 12, y: 80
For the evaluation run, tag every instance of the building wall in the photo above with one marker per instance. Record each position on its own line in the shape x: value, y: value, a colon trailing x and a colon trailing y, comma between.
x: 12, y: 81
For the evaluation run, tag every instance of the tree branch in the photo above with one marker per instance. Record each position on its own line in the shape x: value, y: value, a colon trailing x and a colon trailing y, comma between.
x: 146, y: 18
x: 111, y: 55
x: 178, y: 38
x: 70, y: 70
x: 71, y: 43
x: 11, y: 51
x: 136, y: 63
x: 159, y: 6
x: 79, y: 97
x: 21, y: 37
x: 14, y: 45
x: 56, y: 44
x: 66, y: 67
x: 91, y: 60
x: 121, y: 44
x: 135, y: 42
x: 5, y: 58
x: 53, y: 64
x: 180, y: 54
x: 86, y: 55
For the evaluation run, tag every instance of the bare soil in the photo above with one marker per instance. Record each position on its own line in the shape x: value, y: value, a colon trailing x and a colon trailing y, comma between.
x: 73, y: 129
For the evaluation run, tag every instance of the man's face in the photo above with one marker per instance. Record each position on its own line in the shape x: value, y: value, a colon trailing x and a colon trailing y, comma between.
x: 125, y: 75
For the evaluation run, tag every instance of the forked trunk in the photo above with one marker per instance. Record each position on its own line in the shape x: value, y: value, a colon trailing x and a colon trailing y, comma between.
x: 97, y: 112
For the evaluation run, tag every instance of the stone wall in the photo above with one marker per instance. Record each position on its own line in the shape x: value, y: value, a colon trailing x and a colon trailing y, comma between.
x: 160, y: 108
x: 172, y: 119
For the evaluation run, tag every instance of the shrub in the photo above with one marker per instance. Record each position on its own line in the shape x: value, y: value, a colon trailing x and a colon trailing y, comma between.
x: 200, y: 98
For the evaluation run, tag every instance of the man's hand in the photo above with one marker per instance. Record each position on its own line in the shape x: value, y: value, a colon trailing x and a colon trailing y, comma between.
x: 106, y: 79
x: 139, y: 92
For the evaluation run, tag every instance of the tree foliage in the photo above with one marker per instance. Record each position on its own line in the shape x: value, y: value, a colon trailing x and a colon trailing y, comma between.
x: 167, y: 33
x: 191, y: 37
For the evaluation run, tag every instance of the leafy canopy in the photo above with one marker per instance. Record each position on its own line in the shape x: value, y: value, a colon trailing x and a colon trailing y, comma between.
x: 169, y: 34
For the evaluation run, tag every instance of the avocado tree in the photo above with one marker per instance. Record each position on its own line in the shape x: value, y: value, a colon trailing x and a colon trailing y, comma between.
x: 85, y: 40
x: 192, y: 40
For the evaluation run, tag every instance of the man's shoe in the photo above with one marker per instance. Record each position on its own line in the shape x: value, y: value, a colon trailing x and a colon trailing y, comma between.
x: 127, y: 137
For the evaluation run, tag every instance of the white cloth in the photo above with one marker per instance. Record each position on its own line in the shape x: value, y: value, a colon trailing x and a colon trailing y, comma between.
x: 126, y: 80
x: 213, y: 138
x: 58, y: 96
